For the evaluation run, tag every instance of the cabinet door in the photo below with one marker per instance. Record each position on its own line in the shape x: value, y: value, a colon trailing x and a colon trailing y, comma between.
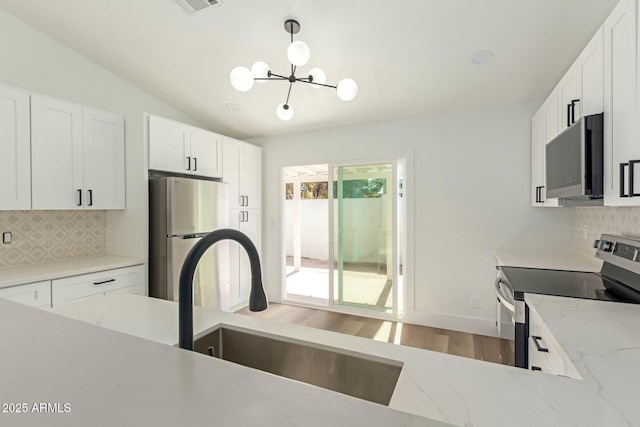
x: 32, y: 294
x: 234, y: 292
x: 620, y: 112
x: 251, y: 227
x: 206, y: 153
x: 567, y: 93
x: 250, y: 175
x: 168, y: 145
x: 15, y: 150
x: 551, y: 114
x: 538, y: 141
x: 231, y: 170
x: 590, y: 77
x: 56, y: 154
x: 73, y: 288
x: 103, y: 160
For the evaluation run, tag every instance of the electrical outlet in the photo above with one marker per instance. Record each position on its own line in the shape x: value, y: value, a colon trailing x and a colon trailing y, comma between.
x: 7, y: 237
x: 585, y: 232
x: 475, y: 302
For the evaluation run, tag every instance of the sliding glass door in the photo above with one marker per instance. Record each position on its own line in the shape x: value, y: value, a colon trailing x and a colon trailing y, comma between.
x: 365, y: 213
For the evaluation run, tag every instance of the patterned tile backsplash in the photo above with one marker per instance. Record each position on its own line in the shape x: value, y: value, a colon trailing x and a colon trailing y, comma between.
x: 40, y: 236
x: 602, y: 220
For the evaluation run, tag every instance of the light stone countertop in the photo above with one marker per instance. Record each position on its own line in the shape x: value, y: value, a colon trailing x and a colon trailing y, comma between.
x: 448, y: 388
x: 29, y: 273
x: 549, y: 261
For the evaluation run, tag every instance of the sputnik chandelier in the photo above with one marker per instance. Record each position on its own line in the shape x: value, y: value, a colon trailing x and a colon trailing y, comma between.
x: 298, y: 54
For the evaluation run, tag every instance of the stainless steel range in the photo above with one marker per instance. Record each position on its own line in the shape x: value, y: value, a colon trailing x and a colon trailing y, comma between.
x: 617, y: 281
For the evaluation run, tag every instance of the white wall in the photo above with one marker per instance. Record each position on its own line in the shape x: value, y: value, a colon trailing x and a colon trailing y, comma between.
x: 467, y: 193
x: 34, y: 61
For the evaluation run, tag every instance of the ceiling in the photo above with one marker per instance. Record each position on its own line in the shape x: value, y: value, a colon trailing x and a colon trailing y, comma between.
x: 409, y: 57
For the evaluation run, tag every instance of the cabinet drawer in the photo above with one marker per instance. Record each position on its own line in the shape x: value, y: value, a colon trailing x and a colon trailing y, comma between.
x: 72, y: 288
x: 33, y: 294
x: 538, y: 361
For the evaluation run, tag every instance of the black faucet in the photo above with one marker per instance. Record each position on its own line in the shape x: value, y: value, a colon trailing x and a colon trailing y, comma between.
x: 257, y: 298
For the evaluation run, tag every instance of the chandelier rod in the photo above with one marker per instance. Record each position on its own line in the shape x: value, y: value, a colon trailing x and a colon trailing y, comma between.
x: 288, y: 94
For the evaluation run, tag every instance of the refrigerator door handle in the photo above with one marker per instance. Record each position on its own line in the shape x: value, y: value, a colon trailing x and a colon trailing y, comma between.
x: 187, y: 236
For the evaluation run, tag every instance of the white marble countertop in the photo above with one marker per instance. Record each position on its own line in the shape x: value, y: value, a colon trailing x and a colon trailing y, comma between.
x: 106, y: 378
x: 29, y: 273
x: 549, y: 261
x: 448, y: 388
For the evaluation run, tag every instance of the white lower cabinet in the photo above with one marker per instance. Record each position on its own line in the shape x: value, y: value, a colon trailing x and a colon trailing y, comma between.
x: 545, y: 354
x: 32, y: 294
x: 129, y: 280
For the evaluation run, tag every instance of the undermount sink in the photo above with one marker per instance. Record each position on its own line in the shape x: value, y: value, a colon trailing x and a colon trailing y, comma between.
x: 354, y: 374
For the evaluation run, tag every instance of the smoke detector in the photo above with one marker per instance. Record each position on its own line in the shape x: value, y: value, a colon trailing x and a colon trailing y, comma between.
x: 196, y: 6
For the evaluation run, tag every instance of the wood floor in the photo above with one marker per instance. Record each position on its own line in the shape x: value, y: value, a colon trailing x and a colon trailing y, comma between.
x: 452, y: 342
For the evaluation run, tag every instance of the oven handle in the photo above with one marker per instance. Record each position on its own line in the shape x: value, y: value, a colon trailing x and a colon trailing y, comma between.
x: 501, y: 296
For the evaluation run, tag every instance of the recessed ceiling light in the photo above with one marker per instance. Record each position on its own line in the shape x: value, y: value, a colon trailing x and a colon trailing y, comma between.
x: 483, y: 57
x: 233, y: 107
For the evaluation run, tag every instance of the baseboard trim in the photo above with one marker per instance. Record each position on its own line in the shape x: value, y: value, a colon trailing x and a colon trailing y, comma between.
x: 473, y: 325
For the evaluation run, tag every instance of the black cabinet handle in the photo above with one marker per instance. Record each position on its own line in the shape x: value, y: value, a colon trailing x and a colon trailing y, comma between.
x: 105, y: 281
x: 536, y: 368
x: 622, y: 192
x: 632, y: 167
x: 195, y: 164
x: 90, y: 197
x: 79, y: 197
x: 188, y: 163
x: 246, y: 217
x: 573, y: 110
x: 568, y: 115
x: 540, y: 348
x: 537, y: 194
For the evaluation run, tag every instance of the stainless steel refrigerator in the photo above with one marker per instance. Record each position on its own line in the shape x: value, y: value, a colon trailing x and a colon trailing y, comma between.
x: 181, y: 211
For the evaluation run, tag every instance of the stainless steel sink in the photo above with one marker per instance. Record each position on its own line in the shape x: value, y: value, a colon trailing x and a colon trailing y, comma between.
x: 358, y: 375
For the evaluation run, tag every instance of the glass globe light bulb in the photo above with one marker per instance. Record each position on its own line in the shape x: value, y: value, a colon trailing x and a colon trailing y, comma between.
x: 241, y: 79
x: 284, y: 112
x: 260, y: 70
x: 347, y: 89
x: 318, y: 77
x: 298, y: 53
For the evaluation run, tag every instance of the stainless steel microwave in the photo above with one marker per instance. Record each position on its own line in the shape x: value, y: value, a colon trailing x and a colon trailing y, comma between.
x: 574, y: 163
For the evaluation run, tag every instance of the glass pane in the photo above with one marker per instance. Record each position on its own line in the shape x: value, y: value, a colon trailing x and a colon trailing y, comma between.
x: 363, y: 240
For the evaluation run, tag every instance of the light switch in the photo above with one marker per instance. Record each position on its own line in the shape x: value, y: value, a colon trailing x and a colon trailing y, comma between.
x: 7, y: 237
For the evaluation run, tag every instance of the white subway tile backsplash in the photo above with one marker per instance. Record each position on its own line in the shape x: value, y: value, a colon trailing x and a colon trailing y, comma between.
x: 40, y: 236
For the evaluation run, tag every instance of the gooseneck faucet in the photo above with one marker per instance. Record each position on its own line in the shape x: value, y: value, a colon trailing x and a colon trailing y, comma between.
x: 257, y: 298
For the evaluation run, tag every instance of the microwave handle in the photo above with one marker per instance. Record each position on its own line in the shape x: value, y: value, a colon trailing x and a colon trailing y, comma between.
x: 632, y: 166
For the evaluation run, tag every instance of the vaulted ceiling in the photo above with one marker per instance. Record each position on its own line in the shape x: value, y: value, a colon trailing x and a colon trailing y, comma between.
x: 409, y: 57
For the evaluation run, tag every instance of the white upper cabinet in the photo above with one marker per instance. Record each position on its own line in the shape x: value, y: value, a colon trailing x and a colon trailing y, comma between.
x: 56, y: 154
x: 621, y: 146
x: 544, y: 127
x: 77, y: 157
x: 590, y: 77
x: 103, y: 160
x: 206, y: 150
x: 15, y: 147
x: 180, y: 148
x: 568, y: 100
x: 242, y: 171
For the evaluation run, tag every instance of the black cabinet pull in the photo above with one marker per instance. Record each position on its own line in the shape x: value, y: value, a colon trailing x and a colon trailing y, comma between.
x: 568, y: 115
x: 632, y: 167
x: 105, y: 281
x: 622, y: 192
x: 79, y: 197
x: 536, y: 368
x: 246, y: 218
x: 573, y: 110
x: 90, y: 197
x: 537, y: 194
x: 188, y: 163
x: 195, y: 164
x: 538, y: 346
